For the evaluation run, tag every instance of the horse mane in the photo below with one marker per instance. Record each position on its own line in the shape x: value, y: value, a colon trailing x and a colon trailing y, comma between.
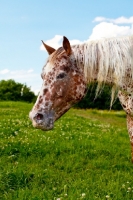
x: 109, y: 58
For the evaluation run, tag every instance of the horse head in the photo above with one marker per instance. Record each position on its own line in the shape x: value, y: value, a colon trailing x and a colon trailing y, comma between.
x: 63, y: 85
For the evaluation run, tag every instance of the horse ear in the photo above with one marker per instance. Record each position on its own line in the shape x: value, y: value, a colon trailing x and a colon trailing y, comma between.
x: 49, y: 49
x: 66, y: 45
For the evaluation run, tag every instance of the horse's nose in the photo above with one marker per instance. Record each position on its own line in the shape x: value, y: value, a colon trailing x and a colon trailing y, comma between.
x: 44, y: 121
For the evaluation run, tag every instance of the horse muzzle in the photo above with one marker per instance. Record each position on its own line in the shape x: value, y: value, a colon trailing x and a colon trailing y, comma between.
x: 44, y: 121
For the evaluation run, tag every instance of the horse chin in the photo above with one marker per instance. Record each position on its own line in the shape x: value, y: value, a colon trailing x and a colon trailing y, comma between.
x: 43, y: 127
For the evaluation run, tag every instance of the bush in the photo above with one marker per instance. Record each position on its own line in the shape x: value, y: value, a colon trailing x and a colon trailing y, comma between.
x: 10, y: 90
x: 102, y: 101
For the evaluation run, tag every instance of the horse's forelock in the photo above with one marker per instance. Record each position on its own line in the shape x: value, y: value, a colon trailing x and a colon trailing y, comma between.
x: 58, y: 53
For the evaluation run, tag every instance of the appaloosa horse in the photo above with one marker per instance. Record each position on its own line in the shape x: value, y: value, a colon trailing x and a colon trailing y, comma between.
x: 70, y: 69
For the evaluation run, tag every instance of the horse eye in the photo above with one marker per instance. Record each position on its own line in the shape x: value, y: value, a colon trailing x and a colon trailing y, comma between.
x: 61, y: 76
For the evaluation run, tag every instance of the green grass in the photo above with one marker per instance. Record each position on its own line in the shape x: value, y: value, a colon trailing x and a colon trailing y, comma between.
x: 86, y: 156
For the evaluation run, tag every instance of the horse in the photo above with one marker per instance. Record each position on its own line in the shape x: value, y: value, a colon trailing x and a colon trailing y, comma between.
x: 70, y: 69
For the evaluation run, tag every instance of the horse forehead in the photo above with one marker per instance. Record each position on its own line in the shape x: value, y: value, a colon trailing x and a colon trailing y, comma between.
x: 51, y: 67
x: 56, y: 62
x: 48, y: 67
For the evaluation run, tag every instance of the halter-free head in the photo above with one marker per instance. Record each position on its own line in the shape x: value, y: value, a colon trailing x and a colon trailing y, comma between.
x: 63, y: 85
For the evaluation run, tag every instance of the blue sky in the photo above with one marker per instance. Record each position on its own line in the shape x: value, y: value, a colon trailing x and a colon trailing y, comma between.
x: 23, y: 24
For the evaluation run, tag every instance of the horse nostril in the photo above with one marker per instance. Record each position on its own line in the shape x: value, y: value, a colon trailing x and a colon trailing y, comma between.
x: 39, y: 117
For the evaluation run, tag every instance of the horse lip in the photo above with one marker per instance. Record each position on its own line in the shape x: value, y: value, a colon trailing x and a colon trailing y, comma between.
x: 43, y: 128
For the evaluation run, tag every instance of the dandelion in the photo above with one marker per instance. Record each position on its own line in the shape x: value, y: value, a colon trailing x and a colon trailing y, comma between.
x: 123, y: 186
x: 107, y: 196
x: 83, y: 194
x: 16, y: 133
x: 129, y: 188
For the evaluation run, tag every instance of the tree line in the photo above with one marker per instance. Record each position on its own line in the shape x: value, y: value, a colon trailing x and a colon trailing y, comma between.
x: 102, y: 101
x: 11, y: 90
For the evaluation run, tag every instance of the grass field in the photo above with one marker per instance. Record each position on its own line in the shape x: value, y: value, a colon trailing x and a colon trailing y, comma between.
x: 86, y: 156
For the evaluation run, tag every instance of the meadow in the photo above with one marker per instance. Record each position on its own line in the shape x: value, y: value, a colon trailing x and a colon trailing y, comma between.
x: 86, y: 156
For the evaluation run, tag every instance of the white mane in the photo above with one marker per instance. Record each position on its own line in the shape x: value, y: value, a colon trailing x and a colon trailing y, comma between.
x: 106, y: 59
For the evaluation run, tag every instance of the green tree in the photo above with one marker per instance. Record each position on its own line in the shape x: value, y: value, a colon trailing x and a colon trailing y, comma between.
x: 102, y: 101
x: 10, y: 90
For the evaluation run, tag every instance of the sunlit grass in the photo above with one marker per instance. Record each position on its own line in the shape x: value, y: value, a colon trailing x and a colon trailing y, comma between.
x: 86, y: 156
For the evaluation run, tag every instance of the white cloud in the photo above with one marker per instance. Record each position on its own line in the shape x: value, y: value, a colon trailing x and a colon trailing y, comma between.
x: 56, y: 42
x: 72, y: 42
x: 23, y: 76
x: 30, y: 71
x: 119, y: 20
x: 109, y: 27
x: 4, y: 71
x: 105, y: 29
x: 99, y: 19
x: 17, y: 74
x: 123, y: 20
